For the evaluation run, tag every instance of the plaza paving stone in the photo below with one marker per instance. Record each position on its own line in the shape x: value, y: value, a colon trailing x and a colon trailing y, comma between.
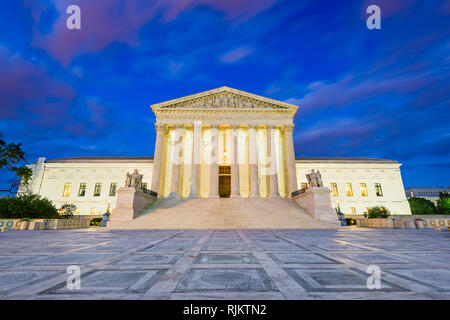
x: 225, y: 264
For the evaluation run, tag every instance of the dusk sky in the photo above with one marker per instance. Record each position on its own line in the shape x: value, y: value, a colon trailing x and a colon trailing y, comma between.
x: 361, y: 93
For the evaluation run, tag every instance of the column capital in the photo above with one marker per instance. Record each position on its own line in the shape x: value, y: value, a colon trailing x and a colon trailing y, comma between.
x: 289, y: 127
x: 159, y: 126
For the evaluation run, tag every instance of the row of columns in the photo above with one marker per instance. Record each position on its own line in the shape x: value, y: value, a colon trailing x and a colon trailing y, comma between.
x: 214, y: 174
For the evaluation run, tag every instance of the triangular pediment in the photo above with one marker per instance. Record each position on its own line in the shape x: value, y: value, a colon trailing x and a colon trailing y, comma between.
x: 224, y: 98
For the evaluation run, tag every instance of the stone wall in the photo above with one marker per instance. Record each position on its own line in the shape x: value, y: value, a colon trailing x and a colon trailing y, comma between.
x: 45, y: 224
x: 434, y: 221
x: 399, y: 222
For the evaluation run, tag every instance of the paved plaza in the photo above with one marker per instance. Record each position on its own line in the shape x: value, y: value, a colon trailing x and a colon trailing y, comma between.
x: 225, y: 264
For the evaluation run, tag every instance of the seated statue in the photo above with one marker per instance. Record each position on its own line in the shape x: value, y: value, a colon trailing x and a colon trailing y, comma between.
x: 314, y: 179
x: 134, y: 180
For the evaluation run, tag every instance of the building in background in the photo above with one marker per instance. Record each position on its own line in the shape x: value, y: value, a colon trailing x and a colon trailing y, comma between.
x: 429, y: 193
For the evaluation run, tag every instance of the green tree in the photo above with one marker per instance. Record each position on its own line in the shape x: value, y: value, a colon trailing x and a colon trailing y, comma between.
x: 12, y: 158
x: 377, y: 212
x: 421, y: 206
x: 443, y: 204
x: 30, y: 206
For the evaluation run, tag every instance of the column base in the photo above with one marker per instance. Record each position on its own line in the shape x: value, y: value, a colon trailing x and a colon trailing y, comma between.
x: 174, y: 195
x: 274, y: 196
x: 193, y: 196
x: 235, y: 196
x: 215, y: 196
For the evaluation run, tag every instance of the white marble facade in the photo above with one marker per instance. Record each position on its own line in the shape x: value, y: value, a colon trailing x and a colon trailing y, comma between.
x: 219, y: 139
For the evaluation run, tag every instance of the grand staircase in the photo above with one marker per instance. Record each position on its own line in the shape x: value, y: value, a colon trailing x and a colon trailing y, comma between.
x: 223, y: 213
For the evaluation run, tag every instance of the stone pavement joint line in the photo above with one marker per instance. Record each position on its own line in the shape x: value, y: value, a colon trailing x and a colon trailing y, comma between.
x: 225, y: 264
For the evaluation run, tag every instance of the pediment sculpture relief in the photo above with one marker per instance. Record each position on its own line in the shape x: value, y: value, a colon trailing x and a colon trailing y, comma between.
x: 224, y: 101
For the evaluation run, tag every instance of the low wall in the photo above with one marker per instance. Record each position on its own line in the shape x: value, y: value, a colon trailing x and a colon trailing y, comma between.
x: 434, y: 221
x: 46, y: 224
x: 10, y: 224
x: 376, y: 223
x: 405, y: 222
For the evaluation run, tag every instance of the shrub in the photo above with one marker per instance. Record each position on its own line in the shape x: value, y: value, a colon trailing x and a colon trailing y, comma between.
x: 377, y: 212
x: 30, y: 206
x: 421, y: 206
x: 96, y: 222
x: 67, y: 210
x: 443, y: 206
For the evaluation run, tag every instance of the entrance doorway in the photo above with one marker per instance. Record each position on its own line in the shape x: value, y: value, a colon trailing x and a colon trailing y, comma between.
x: 224, y: 181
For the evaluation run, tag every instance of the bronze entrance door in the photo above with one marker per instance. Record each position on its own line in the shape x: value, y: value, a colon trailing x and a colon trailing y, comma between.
x: 224, y: 181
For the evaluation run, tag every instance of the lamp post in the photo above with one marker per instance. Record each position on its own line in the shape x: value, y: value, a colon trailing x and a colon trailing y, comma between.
x: 340, y: 214
x: 338, y: 208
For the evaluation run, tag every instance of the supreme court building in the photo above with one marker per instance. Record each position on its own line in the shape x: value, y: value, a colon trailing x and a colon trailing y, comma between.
x: 222, y: 143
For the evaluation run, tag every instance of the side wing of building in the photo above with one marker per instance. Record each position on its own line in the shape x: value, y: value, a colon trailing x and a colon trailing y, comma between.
x: 89, y: 183
x: 358, y: 183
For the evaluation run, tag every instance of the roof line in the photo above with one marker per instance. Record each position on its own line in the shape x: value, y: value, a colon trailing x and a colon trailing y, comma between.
x: 147, y: 158
x: 221, y: 89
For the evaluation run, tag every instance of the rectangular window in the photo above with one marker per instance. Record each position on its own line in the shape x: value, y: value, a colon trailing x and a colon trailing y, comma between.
x: 112, y: 189
x: 304, y: 186
x: 93, y: 211
x: 353, y: 209
x: 334, y: 190
x: 97, y: 189
x: 66, y: 191
x: 348, y: 190
x: 363, y: 188
x: 378, y: 190
x: 82, y: 191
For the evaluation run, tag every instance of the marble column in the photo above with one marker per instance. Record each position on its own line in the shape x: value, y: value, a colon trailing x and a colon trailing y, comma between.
x: 273, y: 170
x: 196, y: 157
x: 157, y: 158
x: 176, y: 160
x: 214, y: 182
x: 234, y: 162
x: 253, y: 162
x: 292, y: 171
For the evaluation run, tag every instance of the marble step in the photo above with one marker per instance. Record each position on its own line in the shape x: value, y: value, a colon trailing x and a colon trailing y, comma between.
x: 223, y: 213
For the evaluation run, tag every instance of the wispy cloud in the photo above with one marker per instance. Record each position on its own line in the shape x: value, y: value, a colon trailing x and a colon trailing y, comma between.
x: 236, y: 54
x: 108, y: 21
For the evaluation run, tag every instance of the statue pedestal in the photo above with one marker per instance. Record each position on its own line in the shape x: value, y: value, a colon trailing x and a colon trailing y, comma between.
x: 316, y: 202
x: 130, y: 201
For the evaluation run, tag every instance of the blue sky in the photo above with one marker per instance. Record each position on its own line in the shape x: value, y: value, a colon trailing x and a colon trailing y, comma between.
x: 369, y: 93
